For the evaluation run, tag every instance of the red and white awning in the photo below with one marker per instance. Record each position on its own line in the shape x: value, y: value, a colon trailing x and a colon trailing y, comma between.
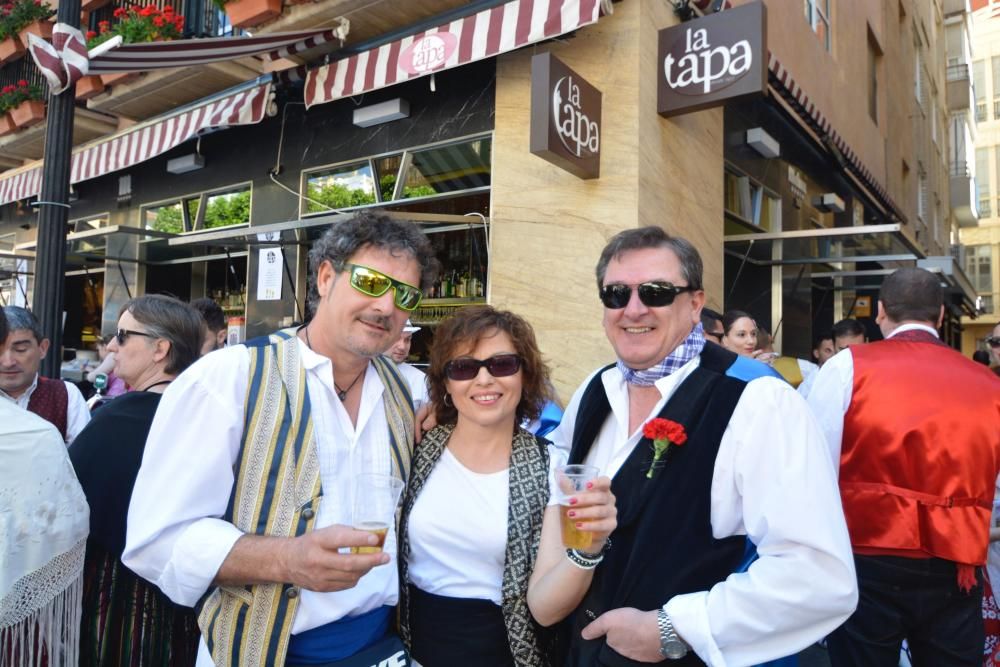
x: 482, y: 35
x: 194, y: 52
x: 143, y: 142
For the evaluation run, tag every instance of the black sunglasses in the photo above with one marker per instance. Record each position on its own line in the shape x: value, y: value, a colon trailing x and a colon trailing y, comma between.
x: 467, y: 368
x: 652, y: 294
x: 993, y: 341
x: 122, y: 335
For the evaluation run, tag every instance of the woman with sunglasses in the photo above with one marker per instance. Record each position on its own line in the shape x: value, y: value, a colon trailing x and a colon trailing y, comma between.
x: 739, y: 333
x: 126, y: 620
x: 477, y: 509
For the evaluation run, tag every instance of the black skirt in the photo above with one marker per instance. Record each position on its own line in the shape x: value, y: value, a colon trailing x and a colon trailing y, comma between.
x: 455, y: 632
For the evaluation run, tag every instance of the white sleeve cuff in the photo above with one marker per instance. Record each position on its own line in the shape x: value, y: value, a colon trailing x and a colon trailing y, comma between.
x: 198, y: 554
x: 689, y: 615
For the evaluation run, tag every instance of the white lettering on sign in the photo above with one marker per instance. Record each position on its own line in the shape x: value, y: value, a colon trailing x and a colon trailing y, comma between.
x: 397, y: 659
x: 705, y: 66
x: 428, y: 53
x: 579, y: 134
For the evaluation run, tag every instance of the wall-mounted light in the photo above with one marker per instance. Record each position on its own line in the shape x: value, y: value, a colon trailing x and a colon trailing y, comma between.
x: 763, y: 143
x: 383, y: 112
x: 185, y: 163
x: 829, y: 202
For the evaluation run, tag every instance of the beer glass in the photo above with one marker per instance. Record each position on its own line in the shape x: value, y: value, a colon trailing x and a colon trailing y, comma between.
x: 570, y: 480
x: 375, y: 499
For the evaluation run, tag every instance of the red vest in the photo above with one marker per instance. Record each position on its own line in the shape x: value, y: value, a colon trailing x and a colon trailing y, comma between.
x: 921, y: 451
x: 50, y: 401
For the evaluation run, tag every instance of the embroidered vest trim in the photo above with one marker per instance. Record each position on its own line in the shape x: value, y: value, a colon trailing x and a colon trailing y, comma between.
x: 276, y: 481
x: 528, y: 497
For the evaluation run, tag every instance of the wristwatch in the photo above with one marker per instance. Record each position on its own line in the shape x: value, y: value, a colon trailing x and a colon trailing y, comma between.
x: 672, y: 647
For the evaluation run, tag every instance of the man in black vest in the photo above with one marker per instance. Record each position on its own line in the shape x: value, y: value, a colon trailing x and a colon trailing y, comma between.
x: 751, y: 483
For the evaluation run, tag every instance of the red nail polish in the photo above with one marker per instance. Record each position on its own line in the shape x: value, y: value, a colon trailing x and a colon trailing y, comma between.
x: 590, y: 485
x: 572, y: 501
x: 579, y: 525
x: 571, y: 513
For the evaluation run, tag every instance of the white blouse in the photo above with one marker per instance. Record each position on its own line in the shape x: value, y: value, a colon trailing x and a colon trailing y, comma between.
x: 458, y: 529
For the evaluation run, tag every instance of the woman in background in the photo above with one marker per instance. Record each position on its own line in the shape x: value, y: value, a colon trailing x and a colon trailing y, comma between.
x: 127, y: 621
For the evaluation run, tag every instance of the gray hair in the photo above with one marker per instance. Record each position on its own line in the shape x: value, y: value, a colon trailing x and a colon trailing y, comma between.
x: 370, y: 229
x: 172, y: 320
x: 652, y: 237
x: 22, y: 318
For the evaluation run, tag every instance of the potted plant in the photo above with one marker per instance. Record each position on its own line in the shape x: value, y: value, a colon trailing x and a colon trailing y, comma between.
x: 246, y: 13
x: 10, y: 46
x: 136, y: 25
x: 6, y: 124
x: 25, y: 101
x: 32, y: 16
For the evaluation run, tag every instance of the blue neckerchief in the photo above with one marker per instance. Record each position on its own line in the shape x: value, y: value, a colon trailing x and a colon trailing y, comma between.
x: 690, y: 348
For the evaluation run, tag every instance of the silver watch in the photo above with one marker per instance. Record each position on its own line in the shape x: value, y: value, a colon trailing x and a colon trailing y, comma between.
x: 672, y: 647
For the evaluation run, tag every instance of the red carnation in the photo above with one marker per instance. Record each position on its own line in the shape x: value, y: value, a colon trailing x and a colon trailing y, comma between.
x: 120, y: 12
x: 663, y: 433
x: 169, y: 9
x: 91, y: 35
x: 22, y: 83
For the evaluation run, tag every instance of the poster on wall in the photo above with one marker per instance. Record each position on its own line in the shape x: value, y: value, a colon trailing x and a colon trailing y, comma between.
x: 269, y: 267
x: 708, y: 61
x: 565, y: 117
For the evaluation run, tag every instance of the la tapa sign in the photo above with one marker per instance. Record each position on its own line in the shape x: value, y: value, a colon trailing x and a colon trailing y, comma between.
x: 708, y: 61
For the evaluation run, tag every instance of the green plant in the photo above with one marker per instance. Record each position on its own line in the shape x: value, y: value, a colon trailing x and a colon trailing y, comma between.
x: 25, y: 12
x: 13, y: 95
x: 137, y: 25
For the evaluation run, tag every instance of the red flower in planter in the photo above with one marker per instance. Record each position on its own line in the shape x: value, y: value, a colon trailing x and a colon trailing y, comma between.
x: 120, y: 13
x: 22, y: 83
x: 91, y: 35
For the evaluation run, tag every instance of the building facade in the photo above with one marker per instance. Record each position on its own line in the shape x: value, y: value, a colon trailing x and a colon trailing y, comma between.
x: 861, y: 181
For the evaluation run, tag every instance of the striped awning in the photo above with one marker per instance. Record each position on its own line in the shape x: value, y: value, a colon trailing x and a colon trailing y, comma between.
x: 194, y: 52
x: 482, y: 35
x: 144, y: 141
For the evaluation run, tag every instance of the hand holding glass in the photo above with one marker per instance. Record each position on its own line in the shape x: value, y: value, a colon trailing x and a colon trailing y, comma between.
x: 375, y: 500
x: 570, y: 480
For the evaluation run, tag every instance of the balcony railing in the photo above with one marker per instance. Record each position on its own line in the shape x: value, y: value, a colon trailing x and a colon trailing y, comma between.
x: 980, y: 112
x: 959, y: 168
x: 958, y: 72
x: 201, y: 17
x: 22, y: 69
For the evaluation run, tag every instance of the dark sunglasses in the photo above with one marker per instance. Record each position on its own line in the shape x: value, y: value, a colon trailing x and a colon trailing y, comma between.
x: 716, y: 335
x: 467, y: 368
x: 652, y: 294
x: 375, y: 283
x: 122, y: 335
x: 993, y: 341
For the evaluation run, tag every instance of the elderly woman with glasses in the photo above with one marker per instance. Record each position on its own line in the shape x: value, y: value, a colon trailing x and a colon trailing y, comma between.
x: 478, y: 513
x: 127, y: 621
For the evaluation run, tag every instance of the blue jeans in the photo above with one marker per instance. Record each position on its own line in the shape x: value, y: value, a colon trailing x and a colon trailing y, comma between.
x: 914, y: 599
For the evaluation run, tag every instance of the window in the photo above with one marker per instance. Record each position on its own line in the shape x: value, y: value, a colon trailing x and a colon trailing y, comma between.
x: 340, y: 187
x: 207, y: 210
x: 747, y: 201
x: 922, y: 195
x: 979, y: 86
x: 983, y: 181
x: 442, y: 169
x: 818, y: 16
x: 86, y: 224
x: 978, y: 267
x: 873, y: 61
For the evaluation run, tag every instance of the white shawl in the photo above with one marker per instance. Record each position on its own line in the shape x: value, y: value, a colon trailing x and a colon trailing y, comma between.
x: 44, y: 520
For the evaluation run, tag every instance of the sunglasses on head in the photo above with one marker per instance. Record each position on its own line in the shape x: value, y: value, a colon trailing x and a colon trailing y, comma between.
x: 122, y: 335
x: 375, y: 283
x: 993, y: 341
x: 651, y: 294
x: 467, y: 368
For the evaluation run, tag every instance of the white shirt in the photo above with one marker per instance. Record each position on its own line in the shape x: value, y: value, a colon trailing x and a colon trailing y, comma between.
x: 773, y: 482
x: 175, y: 538
x: 77, y: 412
x: 417, y: 381
x: 458, y: 529
x: 833, y: 389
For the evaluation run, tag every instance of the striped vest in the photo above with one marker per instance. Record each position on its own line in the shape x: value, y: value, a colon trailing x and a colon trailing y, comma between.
x: 276, y: 487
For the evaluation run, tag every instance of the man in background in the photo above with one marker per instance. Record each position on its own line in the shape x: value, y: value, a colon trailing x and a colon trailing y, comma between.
x: 846, y: 333
x: 400, y: 352
x: 215, y: 324
x: 711, y: 321
x: 912, y: 426
x: 56, y: 401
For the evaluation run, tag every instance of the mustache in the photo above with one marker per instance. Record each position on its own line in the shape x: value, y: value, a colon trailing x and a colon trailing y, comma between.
x: 382, y: 321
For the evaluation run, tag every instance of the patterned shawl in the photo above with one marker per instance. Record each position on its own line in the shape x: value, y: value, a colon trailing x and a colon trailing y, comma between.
x: 529, y: 495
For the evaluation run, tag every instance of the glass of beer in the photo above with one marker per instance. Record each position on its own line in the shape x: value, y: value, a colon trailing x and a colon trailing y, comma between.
x: 375, y: 500
x: 570, y: 480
